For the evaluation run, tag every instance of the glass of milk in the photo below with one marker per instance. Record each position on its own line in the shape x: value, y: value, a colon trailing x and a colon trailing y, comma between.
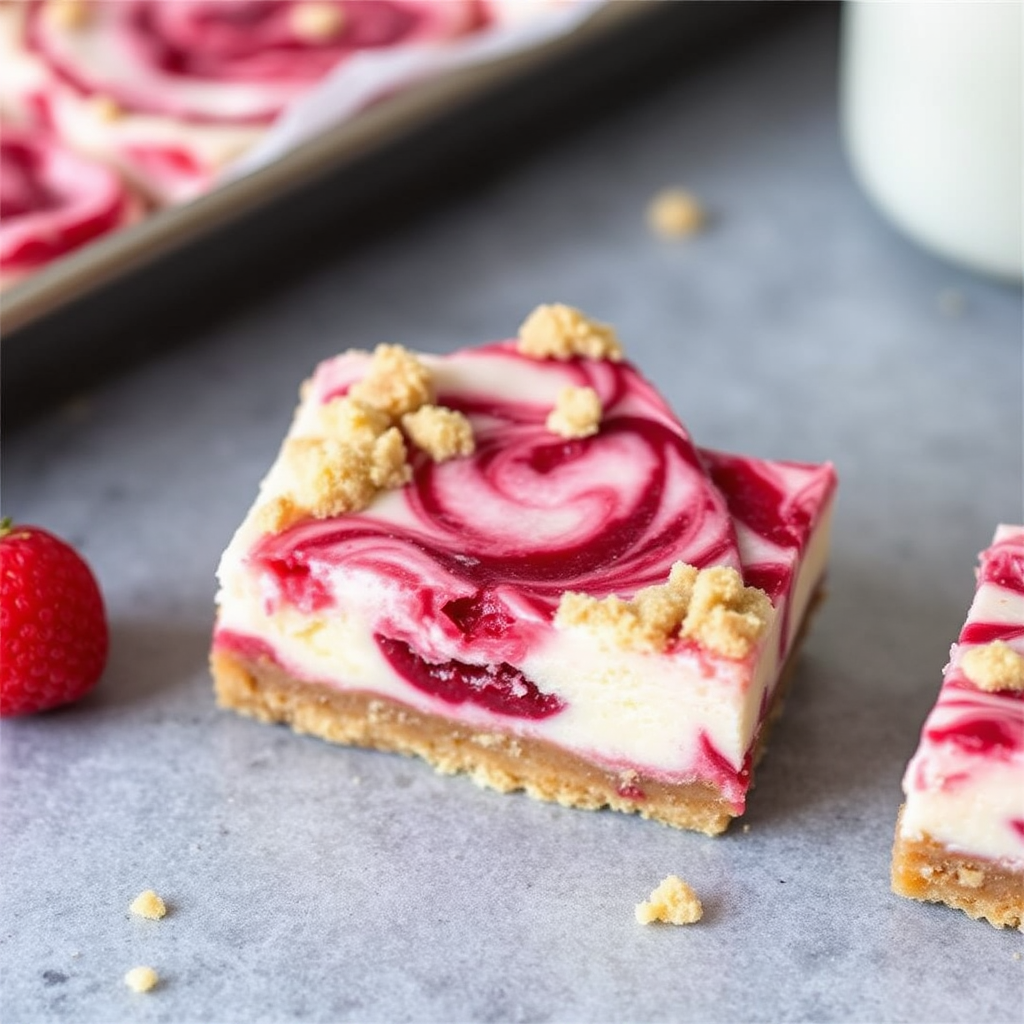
x: 931, y: 110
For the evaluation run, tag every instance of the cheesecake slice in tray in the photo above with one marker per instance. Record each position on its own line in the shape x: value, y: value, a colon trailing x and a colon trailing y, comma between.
x: 960, y: 836
x: 513, y: 562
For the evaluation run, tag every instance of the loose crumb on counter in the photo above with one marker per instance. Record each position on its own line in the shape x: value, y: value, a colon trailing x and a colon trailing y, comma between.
x: 675, y: 213
x: 672, y: 902
x: 148, y: 904
x: 577, y: 413
x: 141, y: 979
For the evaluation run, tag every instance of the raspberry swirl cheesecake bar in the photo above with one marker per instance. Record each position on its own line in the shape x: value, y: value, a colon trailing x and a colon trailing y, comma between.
x: 53, y: 201
x: 170, y: 92
x: 513, y: 562
x: 960, y: 836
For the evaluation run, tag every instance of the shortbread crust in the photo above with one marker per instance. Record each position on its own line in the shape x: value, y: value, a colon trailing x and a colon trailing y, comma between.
x: 498, y: 760
x: 923, y: 869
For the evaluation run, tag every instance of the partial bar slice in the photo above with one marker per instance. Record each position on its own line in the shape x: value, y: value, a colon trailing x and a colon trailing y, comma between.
x: 513, y: 562
x: 960, y: 835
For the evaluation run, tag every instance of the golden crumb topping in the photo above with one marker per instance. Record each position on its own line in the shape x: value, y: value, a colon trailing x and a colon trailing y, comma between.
x: 709, y: 606
x: 106, y: 108
x: 724, y: 615
x: 350, y: 420
x: 387, y: 460
x: 316, y: 22
x: 327, y: 476
x: 577, y: 413
x: 141, y: 979
x: 994, y: 666
x: 674, y: 213
x: 67, y: 14
x: 673, y: 902
x: 396, y: 383
x: 441, y: 432
x: 148, y: 904
x: 561, y: 332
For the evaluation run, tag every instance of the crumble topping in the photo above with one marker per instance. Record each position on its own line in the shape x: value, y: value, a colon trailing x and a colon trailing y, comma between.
x: 106, y: 108
x: 441, y: 432
x: 675, y: 213
x: 148, y: 904
x: 710, y: 606
x: 561, y: 332
x: 577, y: 413
x: 397, y: 382
x: 724, y: 615
x: 994, y: 666
x: 141, y: 979
x: 673, y: 902
x: 388, y: 465
x: 317, y: 22
x: 67, y: 14
x: 350, y: 420
x: 328, y: 476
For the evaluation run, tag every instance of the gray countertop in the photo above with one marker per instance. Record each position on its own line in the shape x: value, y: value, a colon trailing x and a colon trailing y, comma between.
x: 314, y: 883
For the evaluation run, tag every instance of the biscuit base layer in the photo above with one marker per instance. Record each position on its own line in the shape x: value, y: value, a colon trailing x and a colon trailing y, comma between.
x: 923, y: 869
x: 503, y: 761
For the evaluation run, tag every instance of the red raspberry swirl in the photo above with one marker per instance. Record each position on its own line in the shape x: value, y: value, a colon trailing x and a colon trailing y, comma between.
x: 229, y: 61
x: 484, y: 547
x: 51, y: 201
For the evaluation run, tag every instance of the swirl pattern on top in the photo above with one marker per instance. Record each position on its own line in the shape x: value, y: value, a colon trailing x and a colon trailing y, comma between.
x: 233, y: 61
x: 485, y: 546
x: 52, y: 201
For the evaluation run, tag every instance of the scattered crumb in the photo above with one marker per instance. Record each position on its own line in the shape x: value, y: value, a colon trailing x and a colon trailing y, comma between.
x: 388, y: 465
x: 148, y: 904
x: 994, y: 666
x: 970, y: 878
x: 561, y: 332
x: 710, y: 606
x: 141, y: 979
x: 67, y: 14
x: 746, y: 828
x: 76, y: 954
x: 328, y: 477
x: 724, y: 615
x: 348, y: 420
x: 675, y: 213
x: 577, y: 413
x: 951, y: 302
x: 673, y: 902
x: 1016, y: 956
x: 106, y: 108
x: 441, y: 432
x: 645, y: 623
x: 397, y: 382
x: 316, y: 22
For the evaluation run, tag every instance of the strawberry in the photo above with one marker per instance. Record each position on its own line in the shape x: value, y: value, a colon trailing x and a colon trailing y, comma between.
x: 53, y: 628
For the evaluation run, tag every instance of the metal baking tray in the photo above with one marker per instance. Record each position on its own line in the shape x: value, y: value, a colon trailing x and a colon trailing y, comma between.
x: 141, y: 289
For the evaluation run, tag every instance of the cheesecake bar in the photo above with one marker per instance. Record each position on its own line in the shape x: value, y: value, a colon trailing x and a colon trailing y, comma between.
x: 513, y: 562
x: 170, y: 93
x: 960, y: 834
x: 53, y: 201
